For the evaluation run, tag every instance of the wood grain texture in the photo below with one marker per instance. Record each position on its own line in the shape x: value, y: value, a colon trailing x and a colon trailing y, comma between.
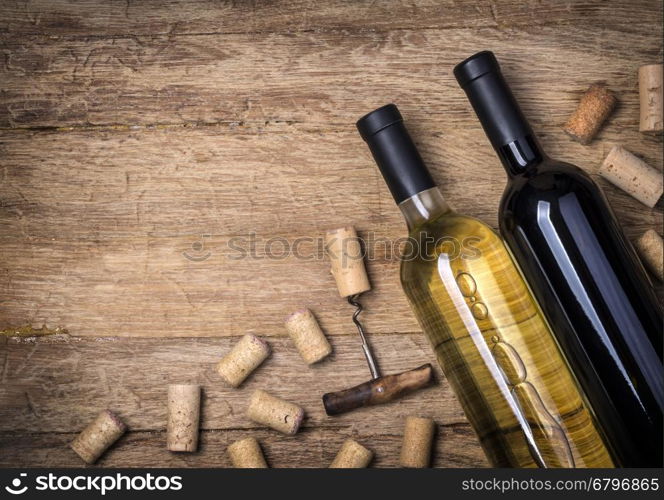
x: 52, y: 386
x: 318, y: 81
x: 135, y: 134
x: 96, y: 225
x: 70, y: 18
x: 455, y: 447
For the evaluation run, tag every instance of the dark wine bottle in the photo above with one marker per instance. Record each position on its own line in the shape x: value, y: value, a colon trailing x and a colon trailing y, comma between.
x: 582, y: 269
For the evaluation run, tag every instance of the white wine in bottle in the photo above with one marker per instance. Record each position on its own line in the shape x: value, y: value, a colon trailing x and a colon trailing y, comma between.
x: 489, y: 334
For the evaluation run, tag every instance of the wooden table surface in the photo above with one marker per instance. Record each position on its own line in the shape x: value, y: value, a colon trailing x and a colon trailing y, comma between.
x: 157, y: 156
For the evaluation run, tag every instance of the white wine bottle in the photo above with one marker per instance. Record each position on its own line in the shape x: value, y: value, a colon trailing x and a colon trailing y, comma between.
x: 487, y: 331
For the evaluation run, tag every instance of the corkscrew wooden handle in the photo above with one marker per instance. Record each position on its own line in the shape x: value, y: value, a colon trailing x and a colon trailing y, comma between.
x: 377, y: 391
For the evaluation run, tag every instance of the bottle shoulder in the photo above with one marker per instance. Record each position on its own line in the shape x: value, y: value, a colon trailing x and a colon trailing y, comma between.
x: 453, y: 234
x: 548, y: 182
x: 452, y: 224
x: 559, y: 201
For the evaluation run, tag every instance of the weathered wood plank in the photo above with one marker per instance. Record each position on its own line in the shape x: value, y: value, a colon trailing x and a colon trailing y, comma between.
x: 58, y: 386
x: 320, y: 81
x: 94, y: 221
x: 312, y: 448
x: 51, y: 387
x: 95, y: 225
x: 110, y: 18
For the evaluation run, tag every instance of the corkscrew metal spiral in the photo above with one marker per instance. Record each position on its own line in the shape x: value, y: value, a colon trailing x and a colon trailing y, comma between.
x: 373, y: 368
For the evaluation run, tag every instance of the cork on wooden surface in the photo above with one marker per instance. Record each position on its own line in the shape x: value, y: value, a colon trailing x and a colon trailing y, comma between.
x: 274, y: 412
x: 247, y: 454
x: 632, y: 175
x: 247, y: 355
x: 594, y: 108
x: 96, y: 438
x: 308, y: 337
x: 347, y: 259
x: 184, y: 359
x: 417, y: 442
x: 344, y: 189
x: 352, y: 455
x: 184, y: 408
x: 410, y: 35
x: 651, y: 250
x: 651, y: 103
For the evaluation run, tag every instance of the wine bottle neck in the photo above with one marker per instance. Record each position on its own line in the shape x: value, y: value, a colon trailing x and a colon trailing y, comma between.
x: 499, y: 113
x: 423, y: 206
x: 395, y: 153
x: 402, y: 166
x: 520, y: 154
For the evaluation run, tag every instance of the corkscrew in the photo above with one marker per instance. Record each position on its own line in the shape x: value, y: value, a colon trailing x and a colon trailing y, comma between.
x: 373, y: 368
x: 348, y: 269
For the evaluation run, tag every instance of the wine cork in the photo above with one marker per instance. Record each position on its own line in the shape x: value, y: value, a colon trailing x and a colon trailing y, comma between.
x: 594, y: 108
x: 651, y: 249
x: 417, y: 442
x: 274, y: 412
x: 650, y: 98
x: 309, y: 339
x: 347, y: 260
x: 247, y: 454
x: 352, y: 455
x: 96, y: 438
x: 244, y: 358
x: 632, y: 175
x: 184, y: 409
